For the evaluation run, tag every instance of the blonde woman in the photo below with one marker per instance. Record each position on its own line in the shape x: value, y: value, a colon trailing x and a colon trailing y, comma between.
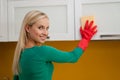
x: 32, y: 60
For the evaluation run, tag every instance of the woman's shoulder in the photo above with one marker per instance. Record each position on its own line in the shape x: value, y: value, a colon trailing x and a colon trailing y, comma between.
x: 42, y: 48
x: 37, y: 47
x: 45, y: 47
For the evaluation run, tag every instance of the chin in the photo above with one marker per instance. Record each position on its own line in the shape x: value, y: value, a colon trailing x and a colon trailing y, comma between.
x: 42, y: 41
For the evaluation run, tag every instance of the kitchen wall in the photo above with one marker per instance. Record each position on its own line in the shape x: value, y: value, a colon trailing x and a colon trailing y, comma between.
x: 101, y: 61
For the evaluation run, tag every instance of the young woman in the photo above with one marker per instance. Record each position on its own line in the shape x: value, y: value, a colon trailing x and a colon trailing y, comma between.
x: 32, y: 60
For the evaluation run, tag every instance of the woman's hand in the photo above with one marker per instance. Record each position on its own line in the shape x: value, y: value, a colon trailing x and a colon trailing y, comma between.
x: 87, y: 33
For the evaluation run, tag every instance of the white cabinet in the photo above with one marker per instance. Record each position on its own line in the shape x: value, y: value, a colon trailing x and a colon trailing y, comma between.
x: 60, y: 12
x: 107, y: 17
x: 64, y: 17
x: 3, y: 21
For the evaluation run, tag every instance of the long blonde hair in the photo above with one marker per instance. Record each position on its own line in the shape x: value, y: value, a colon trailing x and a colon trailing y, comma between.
x: 29, y: 19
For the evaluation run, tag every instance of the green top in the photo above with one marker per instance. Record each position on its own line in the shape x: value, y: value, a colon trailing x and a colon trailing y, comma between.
x: 36, y: 62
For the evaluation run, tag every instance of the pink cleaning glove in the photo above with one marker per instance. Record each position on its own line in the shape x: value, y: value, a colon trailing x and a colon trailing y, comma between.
x: 86, y: 34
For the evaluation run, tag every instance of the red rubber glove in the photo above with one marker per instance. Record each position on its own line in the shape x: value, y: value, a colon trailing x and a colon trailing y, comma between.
x: 87, y: 33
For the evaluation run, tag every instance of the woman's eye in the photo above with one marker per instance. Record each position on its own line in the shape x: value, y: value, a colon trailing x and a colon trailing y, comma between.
x: 41, y: 27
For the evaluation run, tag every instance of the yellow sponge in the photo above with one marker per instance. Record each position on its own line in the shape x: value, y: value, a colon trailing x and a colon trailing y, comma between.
x: 85, y: 18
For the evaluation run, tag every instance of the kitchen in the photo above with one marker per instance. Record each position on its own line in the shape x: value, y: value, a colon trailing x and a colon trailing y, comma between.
x: 101, y: 59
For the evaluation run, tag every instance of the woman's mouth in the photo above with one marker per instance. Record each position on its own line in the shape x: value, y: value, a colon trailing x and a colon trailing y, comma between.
x: 43, y: 37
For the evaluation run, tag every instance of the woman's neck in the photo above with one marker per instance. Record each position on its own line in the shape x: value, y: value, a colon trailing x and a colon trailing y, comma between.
x: 30, y: 44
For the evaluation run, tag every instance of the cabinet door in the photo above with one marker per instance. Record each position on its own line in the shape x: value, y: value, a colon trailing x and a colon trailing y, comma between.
x: 60, y: 12
x: 3, y: 20
x: 107, y: 17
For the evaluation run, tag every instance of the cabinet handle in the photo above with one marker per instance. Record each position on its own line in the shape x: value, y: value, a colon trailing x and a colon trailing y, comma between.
x: 116, y: 35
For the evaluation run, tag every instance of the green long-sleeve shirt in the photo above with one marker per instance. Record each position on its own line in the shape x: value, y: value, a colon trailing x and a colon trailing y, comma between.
x: 36, y: 62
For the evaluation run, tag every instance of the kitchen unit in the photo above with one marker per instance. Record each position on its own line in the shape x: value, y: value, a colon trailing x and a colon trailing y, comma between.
x: 64, y: 17
x: 3, y: 21
x: 107, y: 18
x: 60, y: 13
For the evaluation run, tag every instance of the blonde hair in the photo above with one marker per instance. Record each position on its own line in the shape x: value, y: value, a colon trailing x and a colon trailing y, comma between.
x: 29, y: 19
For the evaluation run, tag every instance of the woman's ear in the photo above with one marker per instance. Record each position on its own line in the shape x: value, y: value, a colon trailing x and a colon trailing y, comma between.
x: 27, y: 28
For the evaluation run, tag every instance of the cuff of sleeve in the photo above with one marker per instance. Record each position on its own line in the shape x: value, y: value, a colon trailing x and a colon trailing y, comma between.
x: 83, y: 44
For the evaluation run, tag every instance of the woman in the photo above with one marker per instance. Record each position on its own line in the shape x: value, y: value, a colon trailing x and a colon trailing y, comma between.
x: 32, y: 60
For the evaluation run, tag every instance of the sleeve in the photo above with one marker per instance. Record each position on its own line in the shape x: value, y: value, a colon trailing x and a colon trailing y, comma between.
x: 15, y: 77
x: 55, y: 55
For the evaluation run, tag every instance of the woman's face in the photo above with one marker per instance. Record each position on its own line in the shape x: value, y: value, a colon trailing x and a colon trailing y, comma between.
x: 39, y: 31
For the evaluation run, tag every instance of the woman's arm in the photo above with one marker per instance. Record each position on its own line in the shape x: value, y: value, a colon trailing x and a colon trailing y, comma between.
x: 55, y: 55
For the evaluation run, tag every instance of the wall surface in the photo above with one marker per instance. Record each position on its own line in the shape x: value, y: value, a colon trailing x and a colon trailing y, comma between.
x: 101, y: 61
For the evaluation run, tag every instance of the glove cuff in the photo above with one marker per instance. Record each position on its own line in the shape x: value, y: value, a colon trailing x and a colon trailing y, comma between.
x: 83, y: 44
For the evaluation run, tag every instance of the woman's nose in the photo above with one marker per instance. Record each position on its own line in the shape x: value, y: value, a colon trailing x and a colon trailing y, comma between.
x: 45, y: 31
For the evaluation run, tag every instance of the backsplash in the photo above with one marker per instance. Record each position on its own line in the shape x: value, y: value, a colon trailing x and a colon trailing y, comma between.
x: 99, y: 62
